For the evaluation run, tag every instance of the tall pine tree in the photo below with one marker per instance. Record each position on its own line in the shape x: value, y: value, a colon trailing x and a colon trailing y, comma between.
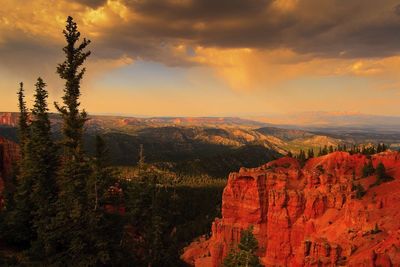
x: 43, y: 169
x: 19, y: 219
x: 23, y: 126
x: 72, y: 222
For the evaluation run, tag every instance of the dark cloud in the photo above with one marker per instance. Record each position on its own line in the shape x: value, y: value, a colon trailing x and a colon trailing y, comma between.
x: 92, y: 3
x: 336, y: 28
x: 199, y: 9
x: 352, y: 28
x: 397, y: 9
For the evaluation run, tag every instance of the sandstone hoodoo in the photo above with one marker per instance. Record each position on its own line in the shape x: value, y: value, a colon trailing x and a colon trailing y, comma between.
x: 324, y: 214
x: 8, y: 119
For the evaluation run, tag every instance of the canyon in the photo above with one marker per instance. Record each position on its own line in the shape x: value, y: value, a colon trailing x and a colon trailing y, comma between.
x: 310, y: 215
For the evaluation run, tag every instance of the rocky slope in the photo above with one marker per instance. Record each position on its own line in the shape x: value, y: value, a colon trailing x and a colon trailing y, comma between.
x: 309, y: 216
x: 9, y: 154
x: 8, y: 118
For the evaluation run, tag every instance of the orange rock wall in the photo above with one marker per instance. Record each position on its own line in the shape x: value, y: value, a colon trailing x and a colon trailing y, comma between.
x: 309, y: 216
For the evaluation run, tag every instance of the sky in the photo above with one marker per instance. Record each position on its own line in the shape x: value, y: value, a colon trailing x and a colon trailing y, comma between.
x: 208, y: 57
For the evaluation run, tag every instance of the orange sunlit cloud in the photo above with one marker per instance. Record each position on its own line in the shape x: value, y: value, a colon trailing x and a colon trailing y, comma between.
x: 247, y: 46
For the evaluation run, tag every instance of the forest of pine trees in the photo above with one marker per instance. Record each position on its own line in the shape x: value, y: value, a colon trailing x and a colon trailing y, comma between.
x: 66, y: 207
x: 303, y: 156
x: 56, y: 211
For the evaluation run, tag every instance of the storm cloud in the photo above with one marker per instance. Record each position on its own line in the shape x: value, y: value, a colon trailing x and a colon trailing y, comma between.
x: 151, y: 29
x: 352, y: 29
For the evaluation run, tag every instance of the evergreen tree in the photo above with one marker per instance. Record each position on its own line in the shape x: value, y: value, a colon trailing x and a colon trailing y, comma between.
x: 310, y: 153
x: 23, y: 126
x: 141, y: 158
x: 19, y: 220
x: 70, y: 70
x: 245, y: 255
x: 368, y: 169
x: 379, y: 148
x: 43, y: 167
x: 325, y: 150
x: 23, y: 134
x: 359, y: 190
x: 105, y: 229
x: 145, y: 211
x: 302, y: 157
x: 72, y: 222
x: 381, y: 175
x: 384, y: 147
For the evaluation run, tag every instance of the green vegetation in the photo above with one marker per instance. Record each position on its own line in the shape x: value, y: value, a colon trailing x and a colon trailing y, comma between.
x: 368, y: 169
x: 376, y: 229
x: 310, y: 153
x: 69, y: 206
x: 168, y: 213
x: 381, y: 175
x: 180, y: 150
x: 301, y: 157
x: 359, y: 191
x: 245, y: 254
x: 57, y: 217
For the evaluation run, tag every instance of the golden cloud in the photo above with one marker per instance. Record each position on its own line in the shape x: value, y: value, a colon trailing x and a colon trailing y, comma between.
x: 251, y: 69
x: 254, y: 45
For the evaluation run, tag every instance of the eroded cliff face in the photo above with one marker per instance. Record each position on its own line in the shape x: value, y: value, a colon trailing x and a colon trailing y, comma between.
x: 9, y: 154
x: 8, y: 118
x: 309, y: 216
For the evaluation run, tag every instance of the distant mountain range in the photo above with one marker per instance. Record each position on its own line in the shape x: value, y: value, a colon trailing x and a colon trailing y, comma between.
x: 208, y: 145
x: 334, y: 121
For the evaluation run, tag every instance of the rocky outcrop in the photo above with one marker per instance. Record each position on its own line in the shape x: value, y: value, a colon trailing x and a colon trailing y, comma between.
x: 8, y: 119
x: 309, y: 216
x: 9, y: 154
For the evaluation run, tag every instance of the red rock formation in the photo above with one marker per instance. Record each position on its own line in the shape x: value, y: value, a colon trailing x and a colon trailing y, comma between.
x: 9, y: 154
x: 9, y: 119
x: 309, y: 216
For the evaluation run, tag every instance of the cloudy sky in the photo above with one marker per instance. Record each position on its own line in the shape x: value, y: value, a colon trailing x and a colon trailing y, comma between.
x: 208, y: 57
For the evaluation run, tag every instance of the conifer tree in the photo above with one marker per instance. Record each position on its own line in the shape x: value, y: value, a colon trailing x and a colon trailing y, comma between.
x: 43, y: 170
x: 302, y: 157
x: 70, y: 70
x: 381, y: 175
x: 19, y: 220
x: 23, y: 127
x: 320, y: 152
x: 141, y: 161
x: 368, y: 169
x: 384, y: 147
x: 379, y: 148
x: 72, y: 219
x: 245, y: 255
x: 23, y: 132
x: 310, y: 153
x: 105, y: 228
x: 325, y: 150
